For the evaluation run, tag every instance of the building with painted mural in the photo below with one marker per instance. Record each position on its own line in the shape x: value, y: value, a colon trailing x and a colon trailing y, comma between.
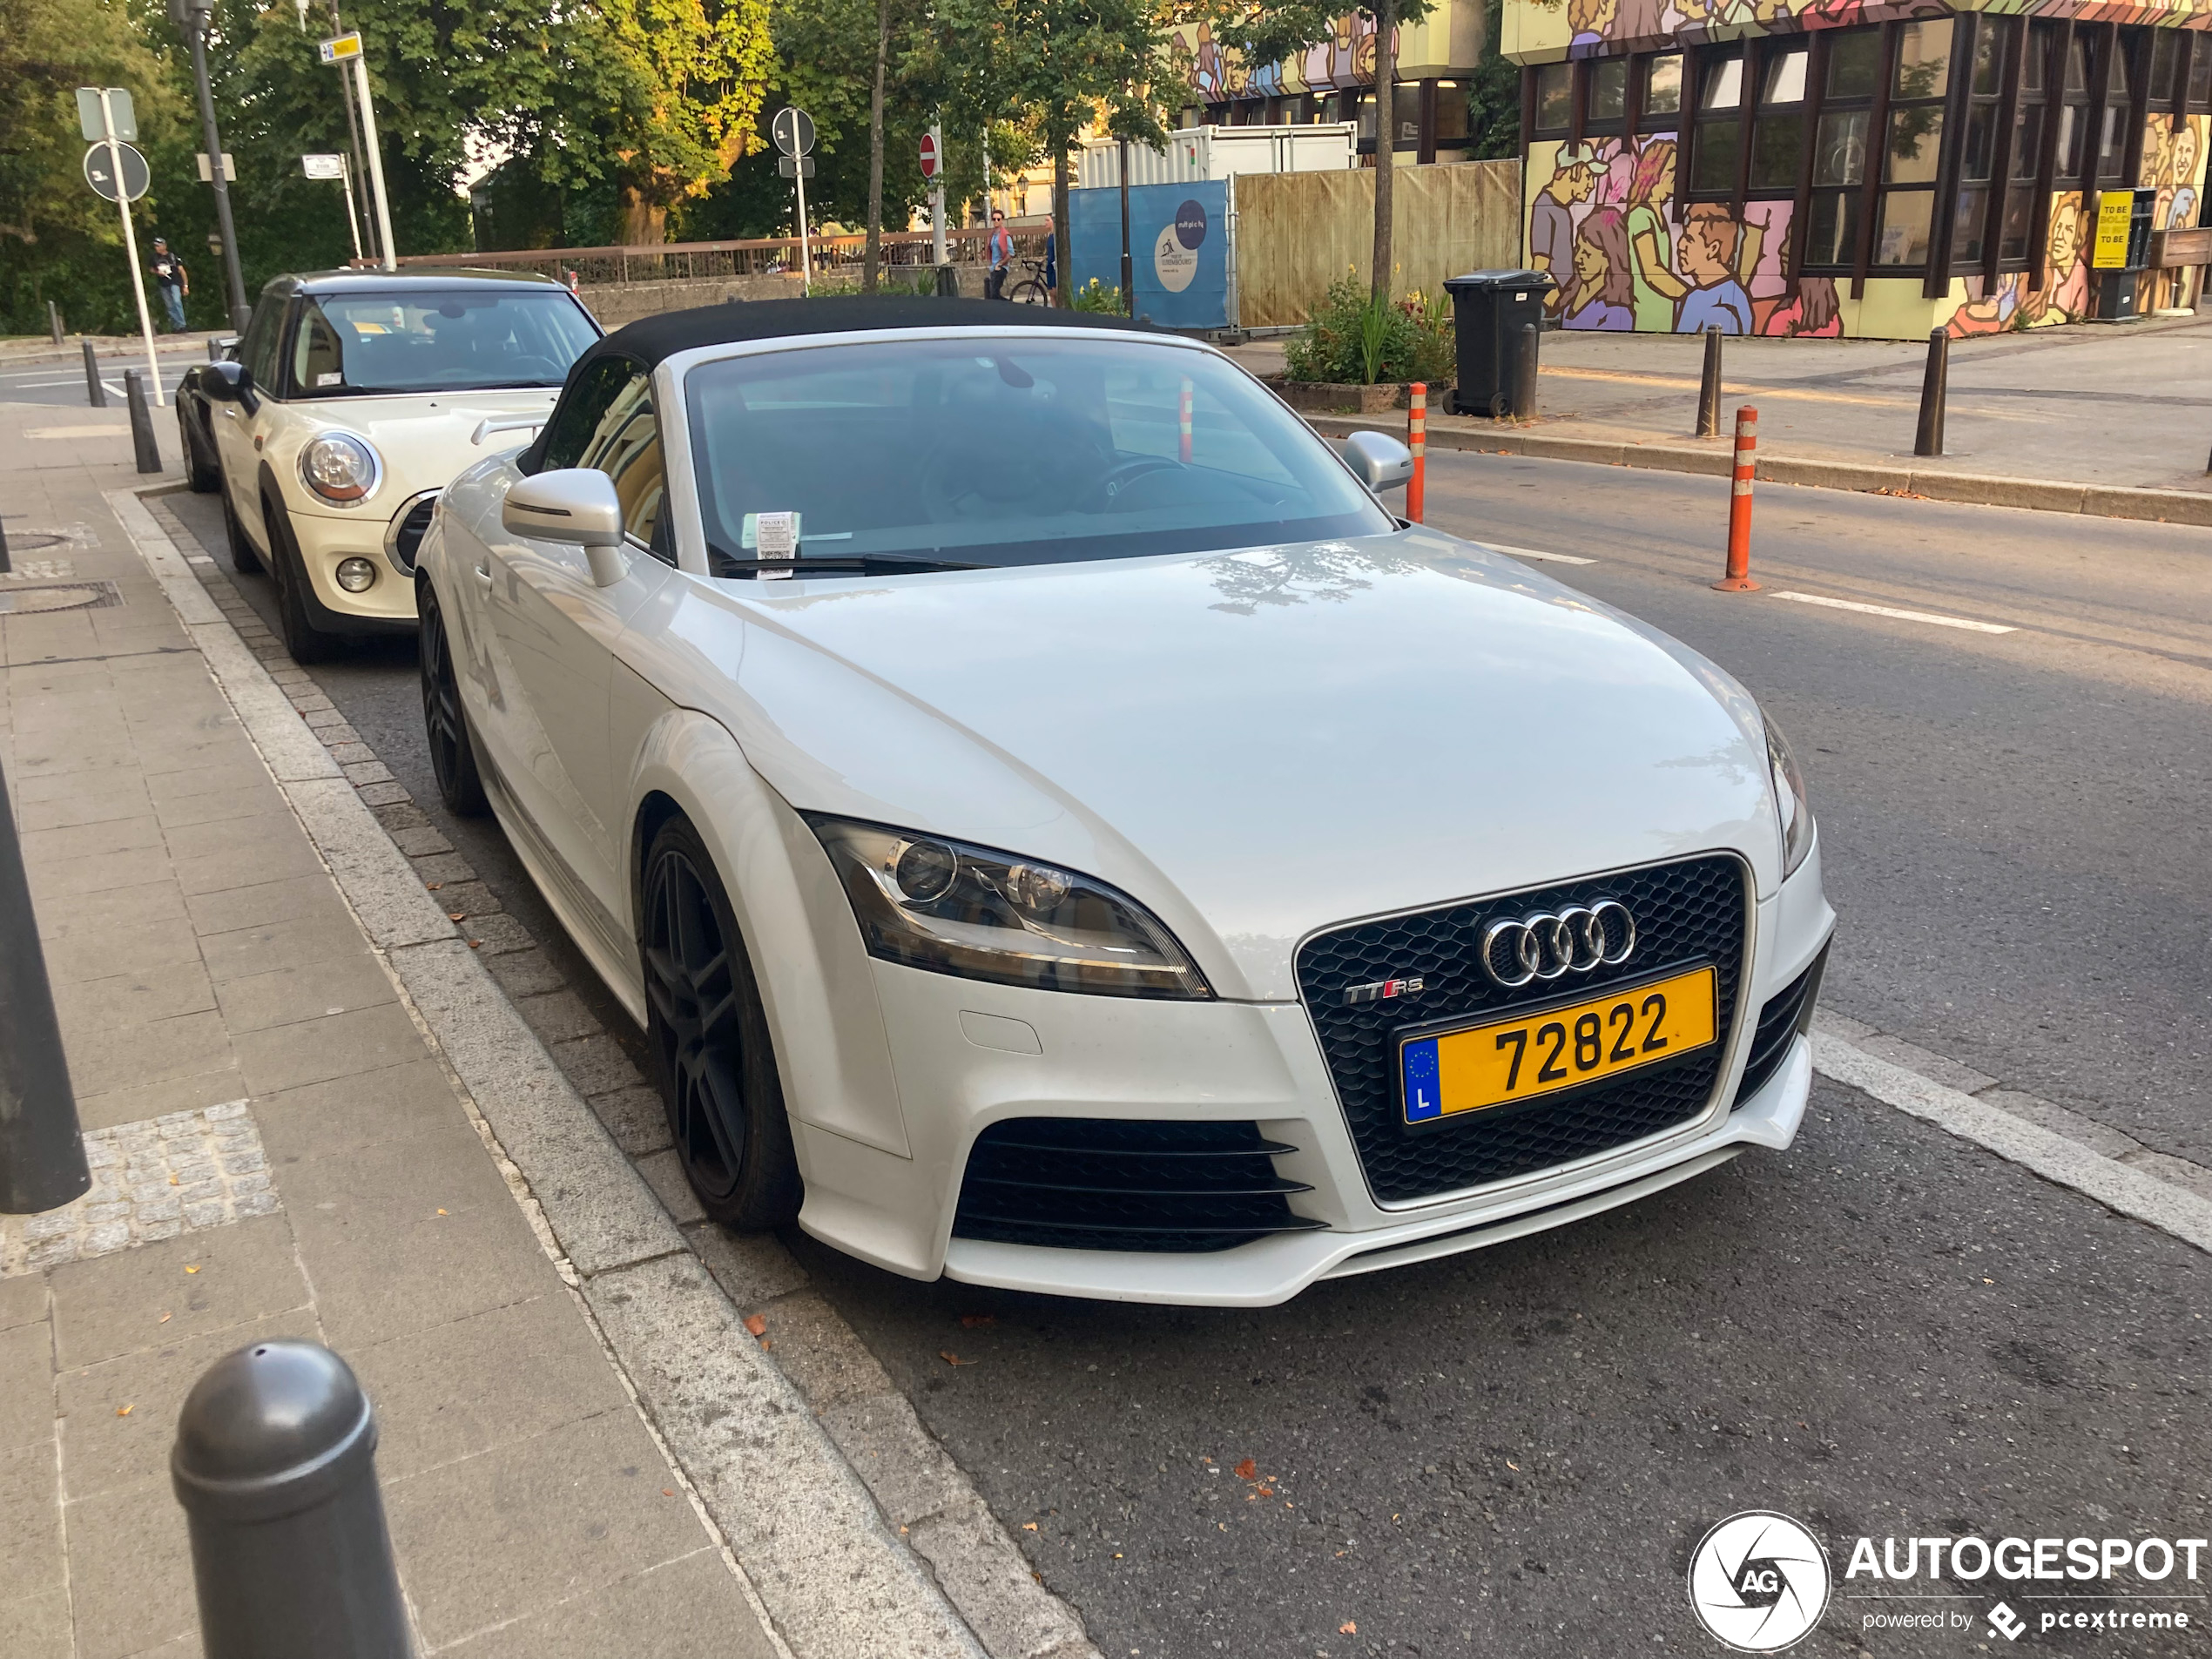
x: 1336, y: 81
x: 1848, y: 167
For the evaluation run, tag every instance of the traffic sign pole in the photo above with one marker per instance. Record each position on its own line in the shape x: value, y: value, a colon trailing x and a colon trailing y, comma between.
x: 193, y: 15
x: 353, y: 220
x: 805, y: 248
x: 376, y: 169
x: 129, y: 241
x: 937, y: 193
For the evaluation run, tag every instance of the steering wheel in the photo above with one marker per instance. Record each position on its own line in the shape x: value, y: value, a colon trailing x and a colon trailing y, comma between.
x: 1099, y: 497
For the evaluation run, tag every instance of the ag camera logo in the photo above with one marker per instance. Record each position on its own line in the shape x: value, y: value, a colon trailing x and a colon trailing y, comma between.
x: 1759, y: 1581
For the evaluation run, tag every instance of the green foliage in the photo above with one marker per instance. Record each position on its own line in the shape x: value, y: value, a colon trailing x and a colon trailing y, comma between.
x: 1356, y: 338
x: 1494, y: 96
x: 1095, y: 295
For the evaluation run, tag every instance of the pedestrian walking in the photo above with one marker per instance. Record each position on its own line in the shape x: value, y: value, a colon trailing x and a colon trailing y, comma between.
x: 1001, y: 256
x: 173, y: 281
x: 1051, y: 263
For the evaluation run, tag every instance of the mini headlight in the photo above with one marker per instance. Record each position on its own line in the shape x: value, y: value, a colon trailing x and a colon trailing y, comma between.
x: 339, y: 467
x: 953, y: 908
x: 356, y: 576
x: 1789, y: 799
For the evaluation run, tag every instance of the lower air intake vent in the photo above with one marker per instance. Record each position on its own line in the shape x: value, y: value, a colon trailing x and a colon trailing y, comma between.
x: 1108, y: 1183
x: 1788, y: 1012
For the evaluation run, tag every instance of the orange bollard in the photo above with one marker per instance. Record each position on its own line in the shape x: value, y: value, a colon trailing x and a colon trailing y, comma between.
x: 1417, y: 440
x: 1185, y: 419
x: 1738, y: 579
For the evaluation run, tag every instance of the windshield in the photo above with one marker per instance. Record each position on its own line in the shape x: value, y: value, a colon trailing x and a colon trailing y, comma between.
x: 417, y: 341
x: 1020, y: 451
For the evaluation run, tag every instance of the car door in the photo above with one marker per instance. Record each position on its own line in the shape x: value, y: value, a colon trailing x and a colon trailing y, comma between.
x: 240, y: 433
x: 554, y: 628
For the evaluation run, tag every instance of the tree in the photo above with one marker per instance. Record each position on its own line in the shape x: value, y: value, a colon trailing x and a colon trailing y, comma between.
x: 1267, y: 31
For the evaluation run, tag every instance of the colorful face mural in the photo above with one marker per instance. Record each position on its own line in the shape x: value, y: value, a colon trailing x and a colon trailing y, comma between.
x: 1216, y: 73
x: 1585, y: 27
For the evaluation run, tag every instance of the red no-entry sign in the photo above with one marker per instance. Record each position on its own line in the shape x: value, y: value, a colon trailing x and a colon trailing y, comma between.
x: 929, y: 155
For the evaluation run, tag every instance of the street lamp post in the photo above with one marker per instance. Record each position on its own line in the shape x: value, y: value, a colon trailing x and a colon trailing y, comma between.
x: 191, y: 16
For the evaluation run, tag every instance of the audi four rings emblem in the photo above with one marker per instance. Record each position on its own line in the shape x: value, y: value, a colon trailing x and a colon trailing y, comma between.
x: 1551, y: 945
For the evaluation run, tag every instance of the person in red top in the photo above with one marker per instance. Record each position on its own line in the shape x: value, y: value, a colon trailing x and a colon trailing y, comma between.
x: 1001, y: 256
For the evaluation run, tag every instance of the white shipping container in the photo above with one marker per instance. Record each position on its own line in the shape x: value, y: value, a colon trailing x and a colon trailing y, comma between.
x: 1217, y: 153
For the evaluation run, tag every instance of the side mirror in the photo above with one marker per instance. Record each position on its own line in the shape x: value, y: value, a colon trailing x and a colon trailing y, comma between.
x: 1380, y: 462
x: 575, y: 505
x: 223, y: 382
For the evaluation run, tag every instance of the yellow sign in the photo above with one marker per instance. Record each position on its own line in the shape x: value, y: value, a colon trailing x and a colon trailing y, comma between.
x: 338, y: 51
x: 2114, y: 209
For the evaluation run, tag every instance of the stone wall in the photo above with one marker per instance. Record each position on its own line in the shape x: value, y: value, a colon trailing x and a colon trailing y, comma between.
x: 617, y: 303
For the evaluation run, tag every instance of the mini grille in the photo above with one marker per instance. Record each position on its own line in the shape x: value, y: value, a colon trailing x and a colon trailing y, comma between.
x: 1107, y: 1184
x: 1787, y: 1012
x: 1686, y: 912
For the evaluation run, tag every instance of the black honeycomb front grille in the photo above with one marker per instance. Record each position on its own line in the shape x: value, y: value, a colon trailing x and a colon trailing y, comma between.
x: 1687, y: 911
x: 1788, y: 1012
x: 1112, y: 1183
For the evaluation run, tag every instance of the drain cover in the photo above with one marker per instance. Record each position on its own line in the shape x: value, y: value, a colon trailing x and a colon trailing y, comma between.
x: 22, y: 541
x: 73, y: 596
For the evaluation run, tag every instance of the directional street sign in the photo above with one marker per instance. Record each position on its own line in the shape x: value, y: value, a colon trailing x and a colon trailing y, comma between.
x: 343, y: 47
x: 794, y: 132
x: 929, y: 155
x: 88, y: 114
x: 795, y: 166
x: 323, y: 167
x: 99, y: 171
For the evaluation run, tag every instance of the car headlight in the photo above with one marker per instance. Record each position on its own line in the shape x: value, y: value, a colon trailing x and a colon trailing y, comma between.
x: 954, y: 908
x: 1790, y: 800
x: 339, y: 467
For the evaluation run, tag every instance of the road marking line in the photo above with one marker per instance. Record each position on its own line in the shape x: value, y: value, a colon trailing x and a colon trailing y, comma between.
x: 1531, y: 553
x: 1902, y: 615
x: 2112, y: 1183
x: 109, y: 431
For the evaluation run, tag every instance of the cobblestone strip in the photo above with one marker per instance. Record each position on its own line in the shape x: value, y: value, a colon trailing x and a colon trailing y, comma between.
x: 922, y: 1493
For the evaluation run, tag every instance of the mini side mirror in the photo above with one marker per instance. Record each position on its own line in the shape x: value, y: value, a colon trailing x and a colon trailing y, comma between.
x: 1380, y: 462
x: 222, y: 382
x: 575, y: 505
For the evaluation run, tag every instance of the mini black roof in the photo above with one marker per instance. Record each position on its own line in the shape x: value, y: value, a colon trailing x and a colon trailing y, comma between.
x: 651, y: 339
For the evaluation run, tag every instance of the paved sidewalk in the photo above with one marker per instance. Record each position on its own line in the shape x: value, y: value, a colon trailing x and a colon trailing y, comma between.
x: 2103, y: 409
x: 280, y: 1152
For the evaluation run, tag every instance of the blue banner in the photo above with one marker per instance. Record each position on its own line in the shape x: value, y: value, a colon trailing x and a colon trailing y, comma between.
x: 1178, y: 246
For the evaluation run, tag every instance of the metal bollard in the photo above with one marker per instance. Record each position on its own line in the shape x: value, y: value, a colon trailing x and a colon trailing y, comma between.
x: 93, y: 389
x: 948, y: 281
x: 134, y: 394
x: 1935, y: 387
x: 1417, y: 440
x: 1738, y: 579
x: 1708, y: 390
x: 1524, y: 373
x: 54, y: 320
x: 275, y: 1467
x: 6, y: 564
x: 41, y: 1150
x: 214, y: 349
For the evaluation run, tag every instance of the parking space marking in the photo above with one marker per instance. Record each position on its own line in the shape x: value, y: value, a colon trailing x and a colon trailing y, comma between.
x: 1967, y: 622
x: 1531, y: 553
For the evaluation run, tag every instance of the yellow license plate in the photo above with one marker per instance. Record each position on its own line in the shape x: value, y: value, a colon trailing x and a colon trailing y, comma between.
x: 1539, y: 1054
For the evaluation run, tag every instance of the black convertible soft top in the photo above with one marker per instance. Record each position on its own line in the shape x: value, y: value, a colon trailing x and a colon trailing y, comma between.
x: 651, y: 339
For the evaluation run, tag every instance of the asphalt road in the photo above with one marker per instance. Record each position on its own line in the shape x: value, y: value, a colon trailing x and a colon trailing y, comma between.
x: 1882, y: 1331
x: 61, y: 381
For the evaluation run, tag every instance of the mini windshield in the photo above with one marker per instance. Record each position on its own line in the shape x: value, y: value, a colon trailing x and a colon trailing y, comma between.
x: 417, y: 341
x: 1004, y: 451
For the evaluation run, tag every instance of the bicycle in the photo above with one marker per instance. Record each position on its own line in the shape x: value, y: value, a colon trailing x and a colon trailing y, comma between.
x: 1030, y: 290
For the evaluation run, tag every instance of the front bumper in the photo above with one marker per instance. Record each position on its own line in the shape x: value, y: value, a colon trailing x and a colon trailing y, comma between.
x: 388, y: 605
x: 967, y: 1055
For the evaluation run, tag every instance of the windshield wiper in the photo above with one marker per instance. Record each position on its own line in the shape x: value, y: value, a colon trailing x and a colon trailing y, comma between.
x: 722, y: 564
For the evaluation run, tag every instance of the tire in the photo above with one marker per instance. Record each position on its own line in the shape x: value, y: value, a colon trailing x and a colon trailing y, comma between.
x: 204, y: 476
x: 306, y: 642
x: 709, y: 1036
x: 1028, y: 292
x: 244, y: 559
x: 445, y: 723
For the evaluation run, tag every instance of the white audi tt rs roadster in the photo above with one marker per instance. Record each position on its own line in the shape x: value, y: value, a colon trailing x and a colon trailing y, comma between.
x: 1057, y: 829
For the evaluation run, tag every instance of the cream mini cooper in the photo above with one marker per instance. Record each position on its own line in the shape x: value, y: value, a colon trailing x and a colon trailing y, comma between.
x: 353, y: 399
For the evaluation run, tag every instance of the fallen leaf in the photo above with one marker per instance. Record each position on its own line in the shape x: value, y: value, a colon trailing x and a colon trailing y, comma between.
x: 1266, y: 1491
x: 1510, y: 1464
x: 194, y: 1269
x: 757, y: 1325
x: 768, y: 1343
x: 1348, y: 1629
x: 442, y: 1212
x: 952, y: 1359
x: 1251, y: 1497
x: 971, y: 1320
x: 434, y: 886
x: 1117, y: 1555
x: 174, y: 1182
x: 164, y: 1319
x: 1206, y: 1460
x: 124, y: 1411
x: 1028, y: 1526
x: 1247, y: 1469
x: 668, y: 1492
x: 456, y: 915
x: 475, y: 944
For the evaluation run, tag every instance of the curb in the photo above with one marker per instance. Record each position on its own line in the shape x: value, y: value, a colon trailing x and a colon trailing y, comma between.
x: 838, y: 1561
x: 1978, y: 489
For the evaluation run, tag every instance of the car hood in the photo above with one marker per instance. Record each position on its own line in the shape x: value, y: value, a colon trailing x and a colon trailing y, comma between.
x: 421, y: 437
x: 1259, y: 743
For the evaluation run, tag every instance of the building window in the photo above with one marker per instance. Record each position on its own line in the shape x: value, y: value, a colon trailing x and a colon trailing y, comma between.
x: 2118, y: 126
x: 1555, y: 97
x: 1839, y: 147
x: 2073, y: 113
x: 2201, y: 76
x: 1605, y: 108
x: 1660, y: 93
x: 1405, y: 110
x: 1452, y: 115
x: 1778, y: 130
x: 1993, y: 38
x: 1720, y: 126
x: 1914, y: 143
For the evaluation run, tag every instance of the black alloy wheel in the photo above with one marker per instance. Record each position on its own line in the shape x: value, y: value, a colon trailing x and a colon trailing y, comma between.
x: 244, y: 559
x: 203, y: 475
x: 445, y: 725
x: 709, y: 1035
x: 306, y: 642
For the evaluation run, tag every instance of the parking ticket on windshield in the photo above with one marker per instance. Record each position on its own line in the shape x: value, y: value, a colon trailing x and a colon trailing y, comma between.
x: 772, y: 536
